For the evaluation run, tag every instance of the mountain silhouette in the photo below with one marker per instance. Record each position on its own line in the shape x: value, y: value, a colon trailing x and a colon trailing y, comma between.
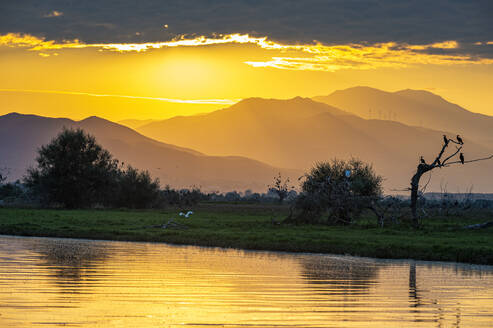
x: 21, y: 135
x: 298, y: 132
x: 413, y: 107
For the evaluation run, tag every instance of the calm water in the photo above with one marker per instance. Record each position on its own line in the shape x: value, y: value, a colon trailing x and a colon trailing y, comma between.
x: 48, y: 282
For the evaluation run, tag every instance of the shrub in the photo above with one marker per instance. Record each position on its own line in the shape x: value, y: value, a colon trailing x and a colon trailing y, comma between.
x: 336, y: 192
x: 136, y: 189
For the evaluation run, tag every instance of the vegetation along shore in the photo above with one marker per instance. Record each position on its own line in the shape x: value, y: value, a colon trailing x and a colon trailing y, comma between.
x: 256, y: 226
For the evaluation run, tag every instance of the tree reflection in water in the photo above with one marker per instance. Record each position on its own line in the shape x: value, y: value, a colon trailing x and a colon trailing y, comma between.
x: 70, y: 260
x: 341, y: 276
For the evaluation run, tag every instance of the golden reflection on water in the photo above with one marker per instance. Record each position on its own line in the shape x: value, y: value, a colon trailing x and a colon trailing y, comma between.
x: 63, y: 282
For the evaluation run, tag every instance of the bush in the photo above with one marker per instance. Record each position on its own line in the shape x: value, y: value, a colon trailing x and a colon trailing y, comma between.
x: 184, y: 198
x: 136, y: 189
x: 336, y: 192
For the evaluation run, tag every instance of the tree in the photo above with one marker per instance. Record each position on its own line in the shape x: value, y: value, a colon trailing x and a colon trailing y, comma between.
x: 439, y: 161
x: 340, y: 189
x: 74, y: 171
x: 136, y: 189
x: 280, y: 187
x: 3, y: 175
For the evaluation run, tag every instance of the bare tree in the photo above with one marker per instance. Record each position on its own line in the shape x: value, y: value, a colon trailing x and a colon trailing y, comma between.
x: 439, y: 161
x: 280, y: 187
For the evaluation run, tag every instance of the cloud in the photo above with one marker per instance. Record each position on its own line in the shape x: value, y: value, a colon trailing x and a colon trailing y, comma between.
x: 313, y: 57
x: 36, y: 43
x: 285, y: 21
x: 170, y: 100
x: 54, y: 13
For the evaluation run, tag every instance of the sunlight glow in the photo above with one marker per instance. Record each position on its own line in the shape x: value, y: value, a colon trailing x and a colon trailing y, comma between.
x: 315, y: 57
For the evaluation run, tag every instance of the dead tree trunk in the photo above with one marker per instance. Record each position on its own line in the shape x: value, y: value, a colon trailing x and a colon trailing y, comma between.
x: 422, y: 169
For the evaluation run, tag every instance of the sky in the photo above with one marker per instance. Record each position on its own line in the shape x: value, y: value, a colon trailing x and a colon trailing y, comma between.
x: 157, y: 59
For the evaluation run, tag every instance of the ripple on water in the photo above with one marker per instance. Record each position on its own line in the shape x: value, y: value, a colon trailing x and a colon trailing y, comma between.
x: 83, y: 283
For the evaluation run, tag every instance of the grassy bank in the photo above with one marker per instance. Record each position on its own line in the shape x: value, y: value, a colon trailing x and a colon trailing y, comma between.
x: 251, y: 227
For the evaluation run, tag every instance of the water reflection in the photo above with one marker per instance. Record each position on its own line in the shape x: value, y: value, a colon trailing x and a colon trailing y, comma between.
x: 70, y: 261
x: 63, y: 282
x: 413, y: 290
x: 338, y: 275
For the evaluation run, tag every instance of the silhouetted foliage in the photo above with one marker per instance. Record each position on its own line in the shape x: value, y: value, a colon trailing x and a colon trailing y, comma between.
x: 74, y: 171
x: 181, y: 198
x: 280, y: 187
x: 336, y: 192
x: 136, y: 189
x: 10, y: 191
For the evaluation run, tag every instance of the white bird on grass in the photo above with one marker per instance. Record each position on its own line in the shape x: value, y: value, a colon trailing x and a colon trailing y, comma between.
x: 186, y: 215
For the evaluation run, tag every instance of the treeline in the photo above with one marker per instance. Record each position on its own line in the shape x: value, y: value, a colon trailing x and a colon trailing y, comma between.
x: 17, y: 193
x: 74, y: 171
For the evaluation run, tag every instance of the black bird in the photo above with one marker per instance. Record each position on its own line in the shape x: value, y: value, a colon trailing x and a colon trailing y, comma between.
x: 422, y: 160
x: 459, y: 139
x: 445, y: 140
x: 461, y: 156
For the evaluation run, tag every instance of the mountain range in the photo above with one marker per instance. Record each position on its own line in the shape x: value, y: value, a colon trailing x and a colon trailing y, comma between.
x: 413, y: 107
x: 21, y: 135
x: 299, y: 132
x: 243, y: 146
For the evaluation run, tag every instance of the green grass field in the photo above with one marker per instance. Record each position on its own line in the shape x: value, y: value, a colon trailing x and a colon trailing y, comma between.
x: 251, y: 227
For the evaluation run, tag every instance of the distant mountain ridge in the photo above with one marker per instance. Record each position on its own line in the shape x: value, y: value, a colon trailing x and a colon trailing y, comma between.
x: 413, y: 107
x: 294, y: 133
x: 133, y: 123
x: 298, y: 132
x: 21, y: 135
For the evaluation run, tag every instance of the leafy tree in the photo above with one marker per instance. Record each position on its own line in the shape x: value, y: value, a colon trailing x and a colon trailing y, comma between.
x: 336, y: 192
x: 74, y: 171
x: 136, y: 189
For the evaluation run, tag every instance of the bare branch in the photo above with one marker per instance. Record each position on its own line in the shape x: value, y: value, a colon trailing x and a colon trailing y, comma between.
x: 470, y: 161
x: 437, y: 159
x: 444, y: 162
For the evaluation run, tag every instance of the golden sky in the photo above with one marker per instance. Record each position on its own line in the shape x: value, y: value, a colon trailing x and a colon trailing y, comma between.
x: 187, y: 75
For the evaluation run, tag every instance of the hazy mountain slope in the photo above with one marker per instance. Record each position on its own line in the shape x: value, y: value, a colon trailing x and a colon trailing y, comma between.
x: 21, y: 135
x: 413, y: 107
x: 263, y: 128
x: 133, y: 124
x: 298, y: 132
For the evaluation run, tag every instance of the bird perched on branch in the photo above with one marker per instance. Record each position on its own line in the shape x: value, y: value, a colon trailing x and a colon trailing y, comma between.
x: 459, y: 140
x: 445, y: 140
x: 422, y: 160
x: 461, y: 157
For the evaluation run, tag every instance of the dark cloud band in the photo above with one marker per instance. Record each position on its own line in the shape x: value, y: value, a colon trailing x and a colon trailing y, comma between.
x: 327, y: 21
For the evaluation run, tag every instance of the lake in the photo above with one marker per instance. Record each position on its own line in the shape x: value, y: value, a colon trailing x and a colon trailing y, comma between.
x: 51, y: 282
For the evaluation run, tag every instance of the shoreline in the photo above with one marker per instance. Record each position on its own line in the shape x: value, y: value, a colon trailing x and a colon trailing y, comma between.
x: 253, y: 231
x: 367, y: 258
